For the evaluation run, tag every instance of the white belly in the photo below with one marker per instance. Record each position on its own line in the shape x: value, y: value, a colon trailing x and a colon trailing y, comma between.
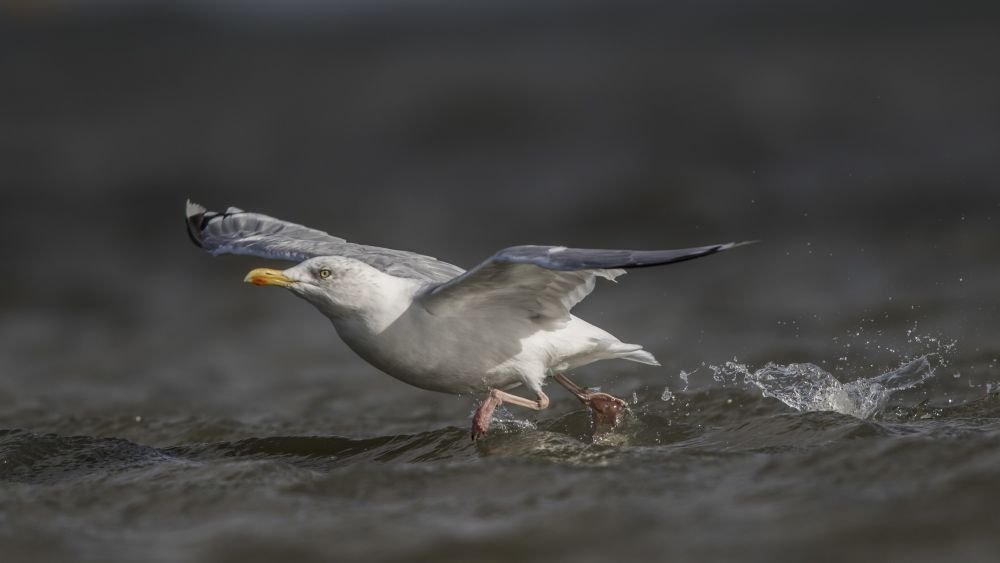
x: 474, y: 354
x: 450, y: 355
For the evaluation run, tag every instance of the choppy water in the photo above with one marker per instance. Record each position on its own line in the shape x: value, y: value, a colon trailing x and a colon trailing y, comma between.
x: 763, y: 465
x: 829, y: 394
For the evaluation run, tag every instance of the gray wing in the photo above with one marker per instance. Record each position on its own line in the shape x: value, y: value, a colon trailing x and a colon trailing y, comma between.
x: 544, y: 283
x: 235, y: 231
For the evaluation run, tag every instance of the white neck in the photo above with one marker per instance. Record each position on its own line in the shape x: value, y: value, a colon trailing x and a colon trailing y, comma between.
x: 371, y: 305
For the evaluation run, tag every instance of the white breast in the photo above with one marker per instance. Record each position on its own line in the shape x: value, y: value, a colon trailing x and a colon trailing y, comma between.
x: 449, y: 354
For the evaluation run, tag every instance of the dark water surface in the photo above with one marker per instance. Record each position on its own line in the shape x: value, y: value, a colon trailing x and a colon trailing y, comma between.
x: 832, y: 393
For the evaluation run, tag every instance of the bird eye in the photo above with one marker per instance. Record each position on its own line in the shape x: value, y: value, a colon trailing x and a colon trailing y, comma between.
x: 325, y: 273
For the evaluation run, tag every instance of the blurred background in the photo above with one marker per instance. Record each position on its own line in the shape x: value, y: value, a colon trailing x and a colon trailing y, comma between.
x: 858, y: 140
x: 859, y: 143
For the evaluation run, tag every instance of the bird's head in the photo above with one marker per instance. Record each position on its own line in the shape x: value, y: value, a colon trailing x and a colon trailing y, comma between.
x: 334, y: 284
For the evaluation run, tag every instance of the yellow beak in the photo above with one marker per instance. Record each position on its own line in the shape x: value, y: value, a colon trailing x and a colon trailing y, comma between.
x: 267, y: 276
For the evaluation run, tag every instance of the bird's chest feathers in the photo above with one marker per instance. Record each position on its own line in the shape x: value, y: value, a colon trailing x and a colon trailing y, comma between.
x: 383, y: 331
x: 451, y: 354
x: 394, y: 341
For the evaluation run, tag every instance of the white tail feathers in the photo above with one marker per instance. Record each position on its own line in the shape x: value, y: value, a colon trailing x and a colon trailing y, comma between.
x: 639, y: 355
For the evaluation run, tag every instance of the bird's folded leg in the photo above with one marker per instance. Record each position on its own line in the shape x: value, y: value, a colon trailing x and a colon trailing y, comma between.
x: 607, y: 408
x: 484, y: 414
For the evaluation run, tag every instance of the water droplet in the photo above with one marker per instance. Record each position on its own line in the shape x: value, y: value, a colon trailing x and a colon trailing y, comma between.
x: 667, y: 395
x: 685, y: 377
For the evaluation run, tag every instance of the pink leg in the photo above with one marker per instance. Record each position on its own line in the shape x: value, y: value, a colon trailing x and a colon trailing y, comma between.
x: 607, y: 408
x: 484, y: 414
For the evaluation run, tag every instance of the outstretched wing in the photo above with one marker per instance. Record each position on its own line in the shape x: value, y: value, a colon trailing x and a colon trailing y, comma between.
x: 544, y: 283
x: 235, y: 231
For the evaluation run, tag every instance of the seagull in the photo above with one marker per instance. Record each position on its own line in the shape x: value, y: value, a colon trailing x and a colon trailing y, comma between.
x: 504, y: 324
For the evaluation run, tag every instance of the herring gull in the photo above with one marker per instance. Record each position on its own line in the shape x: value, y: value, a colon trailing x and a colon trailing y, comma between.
x: 505, y: 323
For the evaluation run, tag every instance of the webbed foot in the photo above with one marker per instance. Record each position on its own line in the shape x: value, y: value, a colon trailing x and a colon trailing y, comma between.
x: 607, y: 408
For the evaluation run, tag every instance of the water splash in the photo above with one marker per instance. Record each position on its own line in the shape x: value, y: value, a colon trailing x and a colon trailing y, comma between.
x: 807, y: 387
x: 510, y: 422
x: 667, y: 394
x: 685, y: 377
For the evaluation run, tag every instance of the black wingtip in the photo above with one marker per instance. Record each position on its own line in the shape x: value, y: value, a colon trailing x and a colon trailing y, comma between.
x: 721, y: 247
x: 730, y: 245
x: 194, y: 217
x: 646, y: 259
